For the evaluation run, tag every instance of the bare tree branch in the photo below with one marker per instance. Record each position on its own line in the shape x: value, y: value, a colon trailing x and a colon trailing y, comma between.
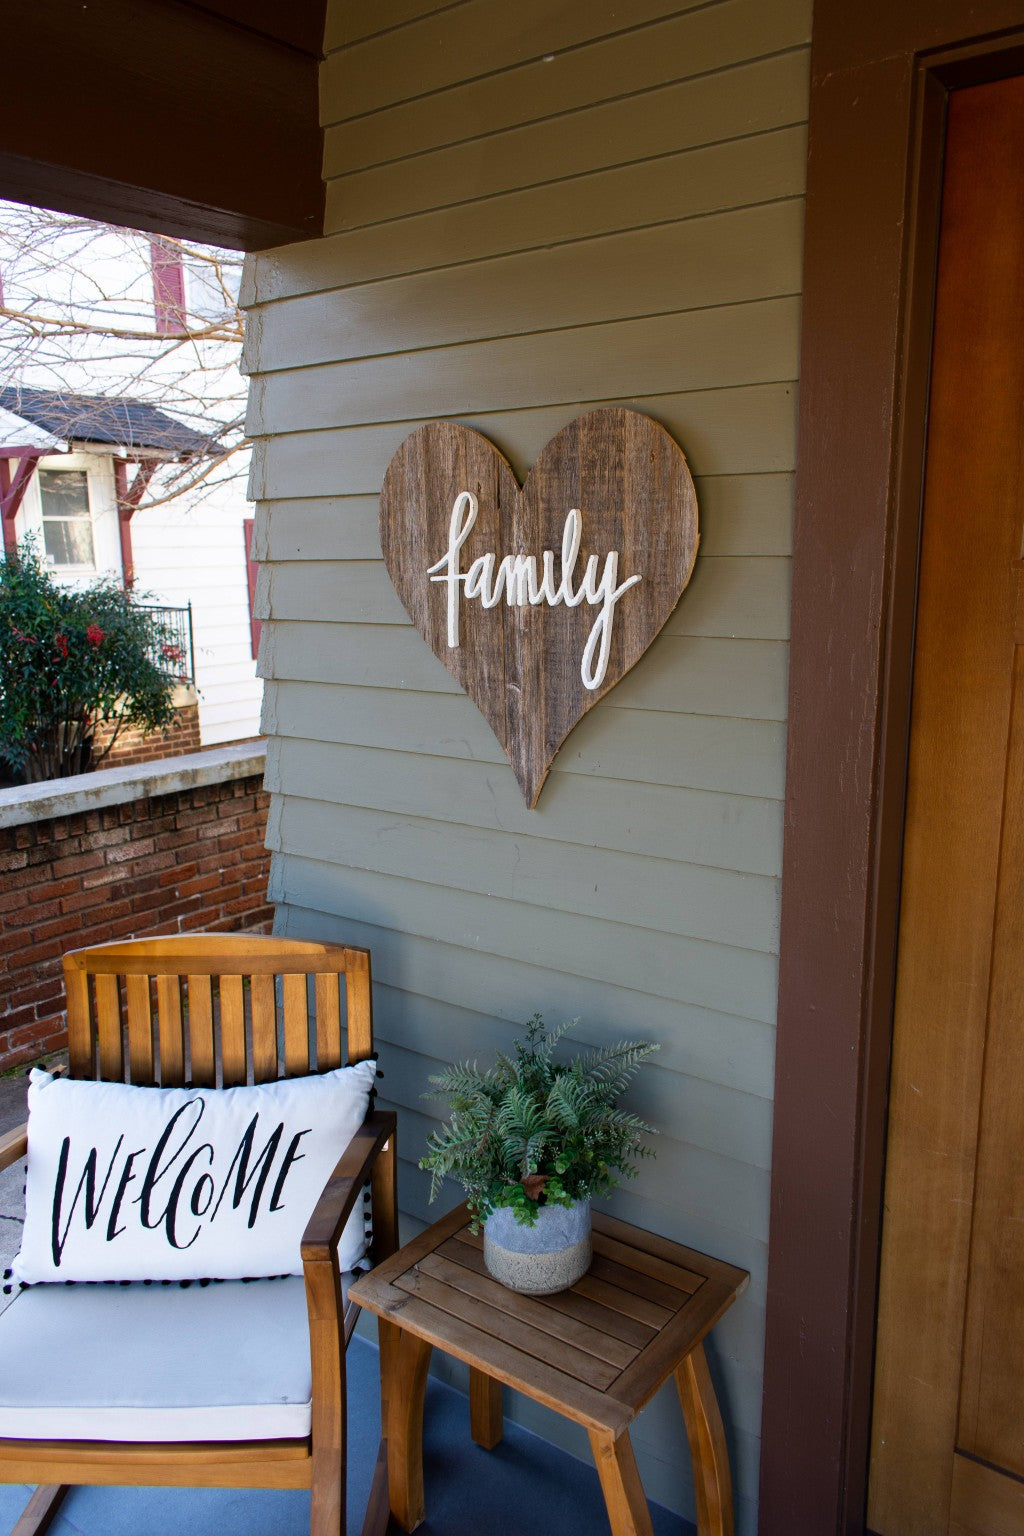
x: 78, y: 316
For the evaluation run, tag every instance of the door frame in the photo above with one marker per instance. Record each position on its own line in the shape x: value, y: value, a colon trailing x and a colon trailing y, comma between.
x: 881, y: 74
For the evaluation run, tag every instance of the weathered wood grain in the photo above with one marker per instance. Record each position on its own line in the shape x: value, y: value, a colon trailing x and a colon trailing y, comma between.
x: 522, y: 665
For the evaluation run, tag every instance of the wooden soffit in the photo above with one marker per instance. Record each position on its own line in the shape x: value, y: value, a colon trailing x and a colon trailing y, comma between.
x: 195, y: 121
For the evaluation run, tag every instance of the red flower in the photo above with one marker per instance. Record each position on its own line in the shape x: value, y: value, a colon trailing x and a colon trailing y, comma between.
x: 172, y: 653
x: 61, y: 642
x: 95, y: 635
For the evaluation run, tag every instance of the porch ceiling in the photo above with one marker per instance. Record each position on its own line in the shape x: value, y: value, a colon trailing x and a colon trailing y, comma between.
x: 193, y: 120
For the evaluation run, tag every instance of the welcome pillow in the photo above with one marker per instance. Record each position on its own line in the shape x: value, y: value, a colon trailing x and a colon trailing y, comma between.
x: 129, y: 1183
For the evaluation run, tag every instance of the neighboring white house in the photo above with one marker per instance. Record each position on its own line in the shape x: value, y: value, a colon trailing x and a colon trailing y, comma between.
x: 76, y: 460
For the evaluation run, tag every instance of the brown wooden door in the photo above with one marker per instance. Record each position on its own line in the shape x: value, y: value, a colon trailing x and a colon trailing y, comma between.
x: 948, y: 1426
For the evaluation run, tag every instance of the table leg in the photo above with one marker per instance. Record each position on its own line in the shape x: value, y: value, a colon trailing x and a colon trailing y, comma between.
x: 624, y: 1497
x: 708, y: 1449
x: 485, y: 1420
x: 403, y: 1362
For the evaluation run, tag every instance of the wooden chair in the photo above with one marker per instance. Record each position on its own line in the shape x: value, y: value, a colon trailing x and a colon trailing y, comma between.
x: 174, y: 1011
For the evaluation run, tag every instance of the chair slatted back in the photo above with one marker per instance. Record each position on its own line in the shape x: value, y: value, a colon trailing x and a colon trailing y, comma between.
x: 215, y: 1009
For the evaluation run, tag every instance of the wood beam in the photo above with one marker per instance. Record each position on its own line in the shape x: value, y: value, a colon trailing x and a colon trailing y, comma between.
x: 128, y: 498
x: 163, y: 115
x: 12, y: 493
x: 880, y: 73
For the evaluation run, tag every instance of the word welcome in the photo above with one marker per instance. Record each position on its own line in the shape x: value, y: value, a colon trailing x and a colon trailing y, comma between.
x: 523, y: 584
x: 176, y: 1185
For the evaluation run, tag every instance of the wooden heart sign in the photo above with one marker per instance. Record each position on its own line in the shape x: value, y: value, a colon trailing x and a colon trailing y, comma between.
x: 539, y: 600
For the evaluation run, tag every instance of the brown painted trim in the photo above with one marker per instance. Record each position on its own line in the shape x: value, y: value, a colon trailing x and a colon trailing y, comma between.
x: 879, y: 79
x: 165, y: 116
x: 128, y: 498
x: 68, y: 190
x: 12, y: 492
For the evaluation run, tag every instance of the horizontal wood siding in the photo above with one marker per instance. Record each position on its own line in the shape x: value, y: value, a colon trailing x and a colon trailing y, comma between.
x: 534, y: 210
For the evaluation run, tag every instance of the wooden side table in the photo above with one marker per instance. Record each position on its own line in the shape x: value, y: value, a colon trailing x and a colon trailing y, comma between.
x: 596, y: 1353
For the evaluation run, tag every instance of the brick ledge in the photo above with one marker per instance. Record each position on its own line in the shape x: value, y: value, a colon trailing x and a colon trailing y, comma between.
x: 116, y: 786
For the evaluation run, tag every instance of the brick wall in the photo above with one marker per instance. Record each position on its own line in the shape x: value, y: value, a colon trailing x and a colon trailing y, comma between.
x: 133, y: 746
x: 172, y: 863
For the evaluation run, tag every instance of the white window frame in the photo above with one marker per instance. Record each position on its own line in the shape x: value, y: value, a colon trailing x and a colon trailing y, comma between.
x: 73, y: 568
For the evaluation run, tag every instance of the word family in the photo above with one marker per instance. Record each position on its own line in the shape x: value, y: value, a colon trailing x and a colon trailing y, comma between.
x: 524, y: 582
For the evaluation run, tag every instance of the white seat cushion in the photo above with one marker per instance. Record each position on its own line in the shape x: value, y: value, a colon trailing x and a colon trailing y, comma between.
x: 226, y: 1361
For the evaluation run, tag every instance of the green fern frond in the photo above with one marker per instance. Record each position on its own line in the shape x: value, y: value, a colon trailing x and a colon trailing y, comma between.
x: 546, y: 1047
x: 530, y: 1114
x: 615, y: 1066
x: 570, y: 1102
x: 463, y: 1079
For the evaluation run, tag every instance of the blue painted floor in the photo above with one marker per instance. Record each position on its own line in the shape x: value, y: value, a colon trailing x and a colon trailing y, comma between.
x: 524, y: 1487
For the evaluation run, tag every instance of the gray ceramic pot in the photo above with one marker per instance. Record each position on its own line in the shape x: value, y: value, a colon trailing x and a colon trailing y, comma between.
x: 549, y: 1256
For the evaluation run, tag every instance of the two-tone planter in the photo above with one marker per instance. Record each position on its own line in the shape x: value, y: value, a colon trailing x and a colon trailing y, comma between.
x: 549, y: 1256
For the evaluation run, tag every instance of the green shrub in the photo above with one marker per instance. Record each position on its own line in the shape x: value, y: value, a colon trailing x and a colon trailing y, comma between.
x: 69, y: 660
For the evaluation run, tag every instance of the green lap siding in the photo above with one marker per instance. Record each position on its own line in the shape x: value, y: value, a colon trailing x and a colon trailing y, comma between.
x: 533, y: 210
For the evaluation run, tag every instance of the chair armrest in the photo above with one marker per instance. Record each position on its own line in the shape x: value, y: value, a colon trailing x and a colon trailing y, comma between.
x: 324, y: 1228
x: 13, y: 1145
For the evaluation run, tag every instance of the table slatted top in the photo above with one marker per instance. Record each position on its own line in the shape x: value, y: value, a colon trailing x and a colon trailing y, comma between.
x: 596, y: 1352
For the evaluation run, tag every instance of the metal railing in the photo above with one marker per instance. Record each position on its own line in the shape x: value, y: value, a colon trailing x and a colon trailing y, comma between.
x: 177, y: 655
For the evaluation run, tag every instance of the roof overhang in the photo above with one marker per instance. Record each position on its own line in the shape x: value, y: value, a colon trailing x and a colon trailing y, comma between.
x: 19, y: 438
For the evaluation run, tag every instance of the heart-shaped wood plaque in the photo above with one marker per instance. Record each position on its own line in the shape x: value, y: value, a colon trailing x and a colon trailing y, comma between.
x: 539, y: 600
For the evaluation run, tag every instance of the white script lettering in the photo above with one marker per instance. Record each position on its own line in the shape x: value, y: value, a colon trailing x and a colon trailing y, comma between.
x: 517, y: 578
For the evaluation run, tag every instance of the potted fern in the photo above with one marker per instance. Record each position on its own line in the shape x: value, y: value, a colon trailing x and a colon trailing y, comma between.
x: 532, y: 1140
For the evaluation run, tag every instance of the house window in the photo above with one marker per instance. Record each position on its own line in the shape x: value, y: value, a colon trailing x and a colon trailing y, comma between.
x: 67, y: 520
